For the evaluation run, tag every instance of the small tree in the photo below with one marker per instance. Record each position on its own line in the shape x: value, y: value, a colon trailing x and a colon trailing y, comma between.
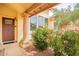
x: 65, y: 15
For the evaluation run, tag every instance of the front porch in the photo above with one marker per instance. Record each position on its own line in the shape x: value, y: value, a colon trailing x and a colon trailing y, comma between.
x: 59, y: 37
x: 20, y: 13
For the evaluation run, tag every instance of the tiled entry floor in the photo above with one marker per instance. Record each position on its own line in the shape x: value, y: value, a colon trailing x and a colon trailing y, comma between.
x: 13, y: 49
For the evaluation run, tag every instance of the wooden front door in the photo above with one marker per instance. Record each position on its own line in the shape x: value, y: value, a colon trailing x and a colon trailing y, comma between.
x: 7, y: 30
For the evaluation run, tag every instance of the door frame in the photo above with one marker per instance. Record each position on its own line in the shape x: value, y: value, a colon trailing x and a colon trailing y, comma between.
x: 14, y: 29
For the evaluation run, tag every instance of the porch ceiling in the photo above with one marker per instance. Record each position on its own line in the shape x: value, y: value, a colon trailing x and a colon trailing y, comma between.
x: 30, y: 8
x: 39, y: 7
x: 18, y: 7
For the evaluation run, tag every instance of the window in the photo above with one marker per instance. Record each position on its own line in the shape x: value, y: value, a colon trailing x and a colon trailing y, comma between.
x: 40, y: 21
x: 8, y: 21
x: 33, y: 22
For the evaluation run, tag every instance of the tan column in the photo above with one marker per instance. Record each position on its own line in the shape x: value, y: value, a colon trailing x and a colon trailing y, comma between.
x: 26, y: 29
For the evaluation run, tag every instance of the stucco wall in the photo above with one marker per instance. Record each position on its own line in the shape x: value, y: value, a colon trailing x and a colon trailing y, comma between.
x: 51, y: 22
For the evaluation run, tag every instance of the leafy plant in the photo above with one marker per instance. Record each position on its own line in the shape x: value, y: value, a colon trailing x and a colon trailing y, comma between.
x: 40, y: 38
x: 70, y: 41
x: 57, y: 44
x: 21, y: 43
x: 50, y: 37
x: 66, y: 43
x: 62, y: 16
x: 66, y: 16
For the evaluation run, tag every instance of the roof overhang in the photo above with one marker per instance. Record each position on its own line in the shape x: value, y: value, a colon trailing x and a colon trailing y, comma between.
x: 39, y: 7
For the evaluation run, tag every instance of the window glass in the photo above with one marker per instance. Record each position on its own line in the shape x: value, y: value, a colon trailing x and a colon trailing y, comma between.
x: 40, y: 21
x: 33, y: 22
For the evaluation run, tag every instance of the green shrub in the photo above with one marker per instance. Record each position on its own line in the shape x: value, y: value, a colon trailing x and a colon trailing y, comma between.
x: 66, y: 43
x: 40, y: 38
x: 70, y: 41
x: 50, y: 37
x: 57, y: 44
x: 63, y: 44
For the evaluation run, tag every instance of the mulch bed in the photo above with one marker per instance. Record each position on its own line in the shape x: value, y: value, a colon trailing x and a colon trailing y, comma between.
x: 34, y: 52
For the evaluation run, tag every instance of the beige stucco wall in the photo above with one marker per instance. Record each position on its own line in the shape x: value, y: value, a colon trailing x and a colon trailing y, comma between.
x: 51, y: 21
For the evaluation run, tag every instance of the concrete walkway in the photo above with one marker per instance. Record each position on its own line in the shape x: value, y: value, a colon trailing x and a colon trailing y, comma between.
x: 13, y: 49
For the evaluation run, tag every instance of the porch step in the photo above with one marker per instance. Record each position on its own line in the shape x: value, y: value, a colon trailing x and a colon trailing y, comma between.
x: 8, y: 42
